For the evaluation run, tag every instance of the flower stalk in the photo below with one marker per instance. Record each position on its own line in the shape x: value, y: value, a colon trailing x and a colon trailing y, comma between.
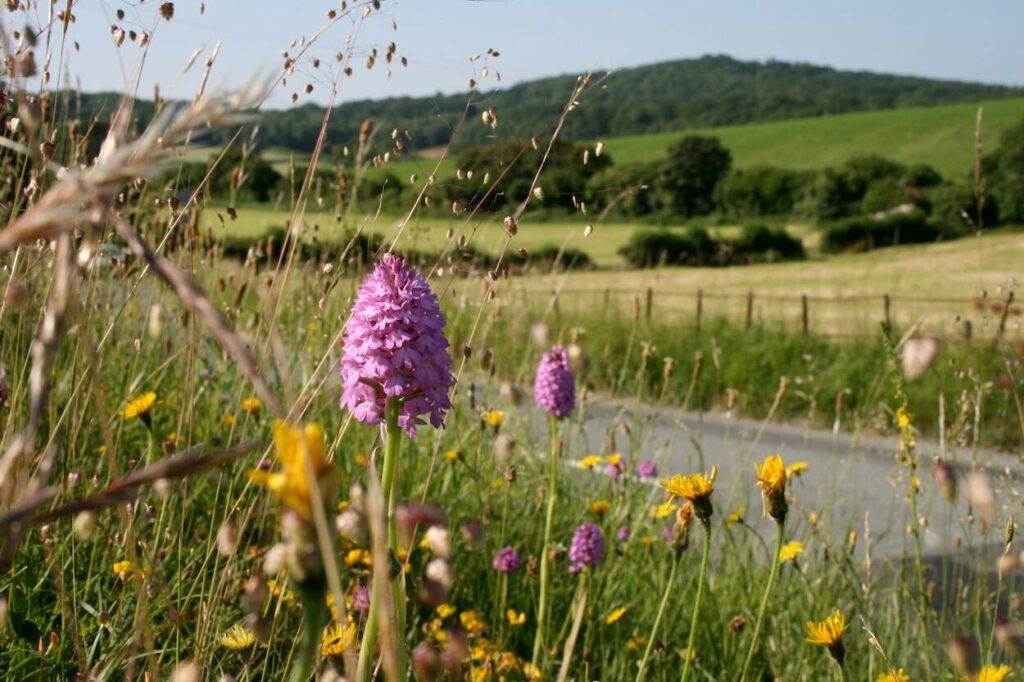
x: 690, y: 655
x: 545, y: 559
x: 773, y: 574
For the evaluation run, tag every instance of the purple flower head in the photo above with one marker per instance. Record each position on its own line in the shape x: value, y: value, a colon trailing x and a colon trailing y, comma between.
x: 614, y: 470
x: 361, y: 599
x: 5, y: 390
x: 506, y: 560
x: 394, y: 347
x: 646, y: 468
x: 622, y: 534
x: 587, y: 548
x: 554, y: 388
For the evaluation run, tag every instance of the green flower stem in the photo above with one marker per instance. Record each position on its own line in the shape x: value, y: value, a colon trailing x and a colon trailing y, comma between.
x: 772, y: 576
x: 313, y: 620
x: 389, y: 481
x: 545, y: 568
x: 657, y: 619
x: 696, y: 604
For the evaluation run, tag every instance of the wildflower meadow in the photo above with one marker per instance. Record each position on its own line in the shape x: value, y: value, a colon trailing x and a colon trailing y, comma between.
x: 358, y: 459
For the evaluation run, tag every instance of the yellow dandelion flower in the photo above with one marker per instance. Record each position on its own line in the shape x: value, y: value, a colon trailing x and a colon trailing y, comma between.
x: 615, y: 615
x: 771, y: 475
x: 229, y: 420
x: 661, y: 511
x: 139, y: 406
x: 614, y: 460
x: 445, y: 610
x: 994, y: 673
x: 515, y: 619
x: 599, y: 507
x: 451, y: 455
x: 693, y: 487
x: 252, y: 405
x: 590, y: 461
x: 898, y: 675
x: 796, y: 468
x: 494, y: 418
x: 735, y: 517
x: 237, y: 638
x: 336, y: 638
x: 791, y: 550
x: 297, y: 449
x: 828, y: 632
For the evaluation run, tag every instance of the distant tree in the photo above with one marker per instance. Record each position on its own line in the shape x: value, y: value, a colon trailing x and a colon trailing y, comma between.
x: 1003, y: 173
x: 689, y: 175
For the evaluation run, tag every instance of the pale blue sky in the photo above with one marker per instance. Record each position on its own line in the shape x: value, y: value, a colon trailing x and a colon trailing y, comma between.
x: 961, y: 39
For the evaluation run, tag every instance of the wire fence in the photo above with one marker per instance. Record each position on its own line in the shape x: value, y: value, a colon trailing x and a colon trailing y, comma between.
x: 954, y: 319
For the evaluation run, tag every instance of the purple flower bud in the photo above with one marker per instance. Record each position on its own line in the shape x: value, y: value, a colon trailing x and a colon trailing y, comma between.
x: 646, y: 468
x: 587, y: 548
x: 506, y: 560
x: 622, y: 534
x: 554, y: 388
x: 5, y: 390
x: 394, y: 347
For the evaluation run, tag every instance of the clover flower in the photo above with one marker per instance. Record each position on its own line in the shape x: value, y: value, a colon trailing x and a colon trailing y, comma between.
x: 395, y: 348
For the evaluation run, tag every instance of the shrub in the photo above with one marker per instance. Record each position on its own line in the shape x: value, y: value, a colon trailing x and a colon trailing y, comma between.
x: 864, y: 233
x: 762, y: 244
x: 882, y: 195
x: 696, y: 247
x: 950, y: 201
x: 762, y: 190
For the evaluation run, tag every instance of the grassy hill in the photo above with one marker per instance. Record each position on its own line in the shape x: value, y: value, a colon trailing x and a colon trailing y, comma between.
x: 940, y: 136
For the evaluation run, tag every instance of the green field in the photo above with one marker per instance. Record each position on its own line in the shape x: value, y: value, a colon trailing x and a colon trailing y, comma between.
x: 942, y: 137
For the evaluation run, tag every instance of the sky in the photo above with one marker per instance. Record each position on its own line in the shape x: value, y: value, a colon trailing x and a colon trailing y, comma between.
x: 951, y: 39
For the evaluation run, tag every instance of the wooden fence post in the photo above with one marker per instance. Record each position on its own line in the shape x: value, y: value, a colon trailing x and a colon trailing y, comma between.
x: 700, y: 307
x: 806, y: 313
x: 968, y: 329
x: 750, y: 308
x: 887, y: 303
x: 650, y: 303
x: 1002, y: 318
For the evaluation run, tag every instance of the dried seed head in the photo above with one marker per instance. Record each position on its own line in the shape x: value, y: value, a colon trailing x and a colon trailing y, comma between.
x: 511, y: 226
x: 84, y: 525
x: 227, y: 538
x: 167, y: 10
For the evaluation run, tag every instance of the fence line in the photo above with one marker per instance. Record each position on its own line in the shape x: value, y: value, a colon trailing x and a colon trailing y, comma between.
x: 646, y: 300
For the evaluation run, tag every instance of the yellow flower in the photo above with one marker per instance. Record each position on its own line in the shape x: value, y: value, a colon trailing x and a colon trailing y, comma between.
x: 795, y: 469
x: 336, y: 638
x: 636, y: 643
x: 237, y: 638
x: 898, y: 675
x: 828, y: 632
x: 123, y: 569
x: 252, y: 405
x: 358, y: 556
x: 497, y: 483
x: 590, y: 461
x: 494, y: 418
x: 362, y: 460
x: 445, y: 610
x: 451, y: 455
x: 514, y: 618
x: 229, y: 420
x: 297, y: 449
x: 139, y: 406
x: 771, y: 475
x: 735, y: 517
x: 660, y: 511
x: 599, y: 507
x: 614, y: 460
x: 903, y: 418
x: 994, y: 673
x: 531, y: 672
x: 791, y: 550
x: 470, y: 621
x: 694, y: 487
x: 615, y: 615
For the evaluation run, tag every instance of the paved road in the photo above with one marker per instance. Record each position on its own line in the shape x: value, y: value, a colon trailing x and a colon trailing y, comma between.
x: 852, y: 483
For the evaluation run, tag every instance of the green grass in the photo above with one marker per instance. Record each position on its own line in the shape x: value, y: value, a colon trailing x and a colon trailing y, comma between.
x: 940, y: 136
